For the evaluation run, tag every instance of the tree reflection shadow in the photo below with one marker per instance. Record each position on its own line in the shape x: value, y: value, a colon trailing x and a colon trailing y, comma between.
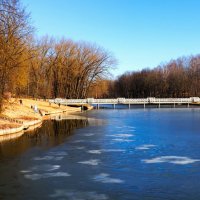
x: 51, y: 133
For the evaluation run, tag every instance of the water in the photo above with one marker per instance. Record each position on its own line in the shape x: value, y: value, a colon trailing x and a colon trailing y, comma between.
x: 135, y: 154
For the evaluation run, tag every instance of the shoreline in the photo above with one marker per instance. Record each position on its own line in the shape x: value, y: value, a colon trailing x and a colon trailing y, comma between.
x: 18, y: 118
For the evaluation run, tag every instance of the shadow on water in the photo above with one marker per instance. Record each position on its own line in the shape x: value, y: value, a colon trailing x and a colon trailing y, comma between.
x: 51, y: 133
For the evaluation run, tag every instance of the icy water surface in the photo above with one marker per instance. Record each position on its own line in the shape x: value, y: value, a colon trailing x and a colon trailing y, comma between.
x: 137, y: 154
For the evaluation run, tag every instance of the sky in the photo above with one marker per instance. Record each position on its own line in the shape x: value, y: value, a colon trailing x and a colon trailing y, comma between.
x: 139, y: 33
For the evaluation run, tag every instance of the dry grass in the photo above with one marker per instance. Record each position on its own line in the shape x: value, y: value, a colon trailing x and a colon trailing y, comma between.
x: 43, y: 105
x: 26, y: 118
x: 8, y: 126
x: 5, y: 124
x: 25, y: 113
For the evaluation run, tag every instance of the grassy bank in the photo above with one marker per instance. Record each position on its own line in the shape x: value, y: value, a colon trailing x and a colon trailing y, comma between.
x: 23, y: 113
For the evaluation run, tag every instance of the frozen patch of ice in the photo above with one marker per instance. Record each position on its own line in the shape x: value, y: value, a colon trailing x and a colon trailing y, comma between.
x: 179, y: 160
x: 89, y: 134
x: 95, y: 151
x: 59, y: 153
x: 105, y: 178
x: 90, y: 162
x: 113, y: 150
x: 46, y: 167
x: 35, y: 177
x: 80, y: 148
x: 52, y: 156
x: 25, y: 171
x: 44, y: 158
x: 145, y: 147
x: 78, y: 195
x: 119, y: 127
x: 48, y: 158
x: 99, y: 151
x: 78, y: 141
x: 122, y: 140
x: 122, y: 135
x: 126, y: 127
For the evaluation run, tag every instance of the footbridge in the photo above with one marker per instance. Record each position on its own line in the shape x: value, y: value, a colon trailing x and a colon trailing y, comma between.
x: 138, y: 101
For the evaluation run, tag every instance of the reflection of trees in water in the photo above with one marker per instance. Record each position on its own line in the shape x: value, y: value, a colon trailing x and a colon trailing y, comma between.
x: 55, y: 132
x: 51, y: 133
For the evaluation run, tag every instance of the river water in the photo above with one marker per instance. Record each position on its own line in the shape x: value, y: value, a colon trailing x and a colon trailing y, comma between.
x: 136, y: 154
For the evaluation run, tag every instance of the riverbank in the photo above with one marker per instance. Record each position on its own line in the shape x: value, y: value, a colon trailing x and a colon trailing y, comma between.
x: 23, y: 114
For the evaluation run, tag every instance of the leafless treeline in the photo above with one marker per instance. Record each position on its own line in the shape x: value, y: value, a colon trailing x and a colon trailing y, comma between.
x: 66, y: 69
x: 50, y: 68
x: 45, y: 67
x: 178, y: 78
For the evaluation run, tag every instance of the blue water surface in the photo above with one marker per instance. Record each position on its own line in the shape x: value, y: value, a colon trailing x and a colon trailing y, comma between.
x: 148, y: 154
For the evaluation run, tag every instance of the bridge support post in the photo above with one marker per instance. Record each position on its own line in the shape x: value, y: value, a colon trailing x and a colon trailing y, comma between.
x: 129, y: 105
x: 188, y: 105
x: 144, y: 105
x: 114, y: 106
x: 174, y: 105
x: 159, y: 105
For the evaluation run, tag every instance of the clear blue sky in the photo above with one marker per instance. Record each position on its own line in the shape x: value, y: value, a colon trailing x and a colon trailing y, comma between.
x: 140, y: 33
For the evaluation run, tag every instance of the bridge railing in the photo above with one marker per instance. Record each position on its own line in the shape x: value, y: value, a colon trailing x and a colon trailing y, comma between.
x: 136, y: 101
x: 126, y: 101
x: 112, y: 101
x: 68, y: 101
x: 171, y: 100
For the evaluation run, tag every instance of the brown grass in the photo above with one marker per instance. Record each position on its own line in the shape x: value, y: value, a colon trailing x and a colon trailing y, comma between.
x: 8, y: 126
x: 12, y: 109
x: 26, y: 118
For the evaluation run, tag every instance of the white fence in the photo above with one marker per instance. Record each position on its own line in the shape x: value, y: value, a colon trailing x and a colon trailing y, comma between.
x: 150, y: 100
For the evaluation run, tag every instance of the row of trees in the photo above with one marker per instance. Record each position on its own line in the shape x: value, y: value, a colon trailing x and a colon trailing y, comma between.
x: 51, y: 68
x: 45, y: 67
x: 178, y: 78
x: 66, y: 69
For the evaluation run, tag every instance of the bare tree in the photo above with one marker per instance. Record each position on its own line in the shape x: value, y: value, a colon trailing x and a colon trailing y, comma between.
x: 14, y: 34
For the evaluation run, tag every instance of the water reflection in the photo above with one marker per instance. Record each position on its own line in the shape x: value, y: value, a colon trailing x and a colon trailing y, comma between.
x: 50, y: 134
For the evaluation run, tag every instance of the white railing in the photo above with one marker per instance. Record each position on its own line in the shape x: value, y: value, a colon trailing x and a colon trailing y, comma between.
x: 151, y: 100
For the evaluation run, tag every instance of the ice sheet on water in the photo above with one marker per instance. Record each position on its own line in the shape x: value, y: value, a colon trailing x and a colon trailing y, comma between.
x: 105, y: 178
x: 88, y: 134
x: 78, y: 141
x: 90, y: 162
x: 122, y: 140
x: 58, y: 153
x: 113, y: 150
x: 126, y: 127
x: 122, y: 135
x: 145, y: 147
x: 78, y: 195
x: 47, y: 158
x: 96, y: 151
x: 35, y: 177
x: 46, y: 167
x: 100, y: 151
x: 79, y: 148
x: 25, y: 171
x: 179, y: 160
